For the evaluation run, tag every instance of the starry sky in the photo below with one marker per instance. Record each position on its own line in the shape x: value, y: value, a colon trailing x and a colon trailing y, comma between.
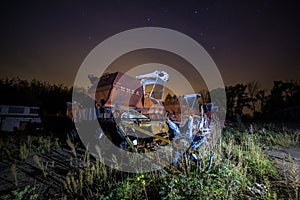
x: 248, y: 40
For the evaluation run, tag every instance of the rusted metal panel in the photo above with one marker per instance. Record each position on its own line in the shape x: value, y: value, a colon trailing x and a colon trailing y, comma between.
x: 117, y: 90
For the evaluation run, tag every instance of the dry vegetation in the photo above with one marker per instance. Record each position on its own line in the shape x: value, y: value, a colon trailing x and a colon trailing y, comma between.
x: 240, y: 169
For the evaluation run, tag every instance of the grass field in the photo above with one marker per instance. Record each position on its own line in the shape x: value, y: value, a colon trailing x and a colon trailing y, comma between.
x: 244, y: 165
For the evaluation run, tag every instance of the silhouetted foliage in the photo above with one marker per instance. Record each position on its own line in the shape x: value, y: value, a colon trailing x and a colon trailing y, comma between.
x: 283, y: 102
x: 253, y: 91
x: 50, y: 97
x: 237, y: 100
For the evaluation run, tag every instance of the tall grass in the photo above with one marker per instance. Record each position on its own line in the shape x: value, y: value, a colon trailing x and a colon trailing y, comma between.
x: 20, y: 147
x: 239, y: 170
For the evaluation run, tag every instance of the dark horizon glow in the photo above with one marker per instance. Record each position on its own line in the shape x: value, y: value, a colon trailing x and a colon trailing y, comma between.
x: 249, y: 41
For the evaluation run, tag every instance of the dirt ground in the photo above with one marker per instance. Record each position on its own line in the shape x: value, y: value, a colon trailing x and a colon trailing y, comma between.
x: 287, y: 160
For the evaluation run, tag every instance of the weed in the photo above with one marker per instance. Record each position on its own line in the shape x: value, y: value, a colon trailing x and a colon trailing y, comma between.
x: 27, y: 193
x: 72, y: 146
x: 13, y: 169
x: 24, y: 151
x: 41, y: 165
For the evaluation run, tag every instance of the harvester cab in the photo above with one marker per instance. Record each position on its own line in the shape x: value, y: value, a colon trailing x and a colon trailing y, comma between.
x: 154, y: 85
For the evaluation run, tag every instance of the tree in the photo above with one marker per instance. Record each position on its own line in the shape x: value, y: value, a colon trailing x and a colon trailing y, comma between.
x: 236, y: 99
x: 253, y: 91
x: 283, y: 100
x: 262, y: 98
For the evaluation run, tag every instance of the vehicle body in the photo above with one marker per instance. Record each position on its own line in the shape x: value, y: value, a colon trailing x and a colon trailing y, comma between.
x: 130, y: 112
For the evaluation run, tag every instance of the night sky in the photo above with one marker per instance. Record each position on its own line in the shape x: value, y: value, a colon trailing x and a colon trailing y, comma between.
x: 248, y: 40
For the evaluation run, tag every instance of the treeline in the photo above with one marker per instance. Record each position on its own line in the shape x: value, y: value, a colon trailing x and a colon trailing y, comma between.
x: 252, y: 101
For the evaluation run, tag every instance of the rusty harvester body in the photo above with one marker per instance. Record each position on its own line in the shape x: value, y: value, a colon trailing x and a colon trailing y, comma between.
x: 131, y: 113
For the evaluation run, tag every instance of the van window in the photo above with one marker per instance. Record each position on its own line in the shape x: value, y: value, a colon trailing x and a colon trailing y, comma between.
x: 14, y: 109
